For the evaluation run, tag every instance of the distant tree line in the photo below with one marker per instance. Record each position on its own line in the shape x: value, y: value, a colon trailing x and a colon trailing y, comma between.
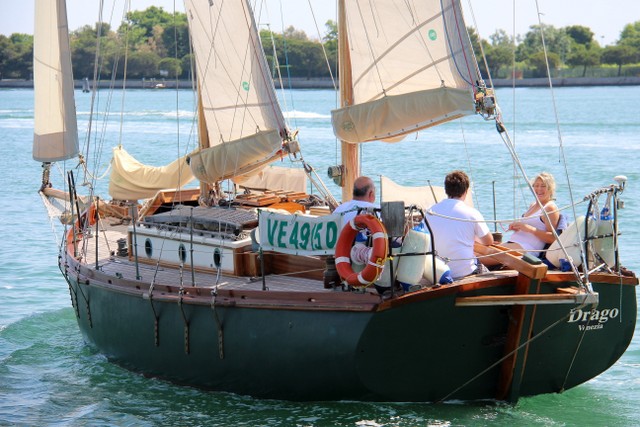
x: 154, y: 43
x: 571, y: 51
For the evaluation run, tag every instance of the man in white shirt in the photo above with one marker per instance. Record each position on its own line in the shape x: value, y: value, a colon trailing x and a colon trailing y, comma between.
x: 364, y: 196
x: 454, y: 239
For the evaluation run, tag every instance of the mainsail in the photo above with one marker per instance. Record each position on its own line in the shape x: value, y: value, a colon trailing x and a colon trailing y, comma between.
x: 411, y: 65
x: 244, y: 123
x: 55, y: 129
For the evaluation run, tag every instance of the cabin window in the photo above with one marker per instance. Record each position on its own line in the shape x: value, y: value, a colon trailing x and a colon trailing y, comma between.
x: 217, y: 258
x: 182, y: 253
x: 148, y: 247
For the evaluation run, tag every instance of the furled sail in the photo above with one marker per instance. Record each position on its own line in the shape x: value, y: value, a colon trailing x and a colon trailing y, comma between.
x: 243, y: 120
x: 412, y: 67
x: 55, y: 129
x: 132, y: 180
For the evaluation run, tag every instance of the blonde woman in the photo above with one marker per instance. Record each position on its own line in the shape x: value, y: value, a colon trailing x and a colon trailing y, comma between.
x: 533, y: 231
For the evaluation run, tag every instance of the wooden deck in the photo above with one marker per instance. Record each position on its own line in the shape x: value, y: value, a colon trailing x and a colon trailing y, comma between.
x: 110, y: 262
x: 125, y: 267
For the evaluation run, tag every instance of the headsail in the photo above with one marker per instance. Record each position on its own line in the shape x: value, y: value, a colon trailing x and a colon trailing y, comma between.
x: 412, y: 67
x: 238, y: 99
x: 55, y: 129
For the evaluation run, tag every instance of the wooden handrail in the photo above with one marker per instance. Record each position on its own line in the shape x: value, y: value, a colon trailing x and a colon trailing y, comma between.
x: 512, y: 259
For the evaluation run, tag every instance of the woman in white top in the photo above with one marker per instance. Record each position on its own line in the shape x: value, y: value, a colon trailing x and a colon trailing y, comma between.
x: 534, y: 230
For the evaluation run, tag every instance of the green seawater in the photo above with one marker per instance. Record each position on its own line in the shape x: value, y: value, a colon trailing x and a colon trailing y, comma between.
x: 48, y: 376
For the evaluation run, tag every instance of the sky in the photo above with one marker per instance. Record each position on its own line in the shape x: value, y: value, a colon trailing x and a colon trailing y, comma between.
x: 606, y: 19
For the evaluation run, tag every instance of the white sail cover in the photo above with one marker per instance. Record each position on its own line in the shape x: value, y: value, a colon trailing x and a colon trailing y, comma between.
x: 412, y: 67
x: 239, y: 157
x: 275, y: 178
x: 132, y: 180
x: 55, y: 129
x: 423, y: 196
x: 236, y: 89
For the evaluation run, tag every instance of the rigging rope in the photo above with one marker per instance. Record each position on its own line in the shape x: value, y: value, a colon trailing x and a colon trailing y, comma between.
x: 560, y: 142
x: 513, y: 106
x: 584, y: 283
x: 468, y: 156
x: 374, y: 60
x: 500, y: 221
x: 511, y: 145
x: 286, y: 60
x: 477, y: 30
x: 461, y: 32
x: 505, y: 357
x: 324, y: 51
x: 490, y: 78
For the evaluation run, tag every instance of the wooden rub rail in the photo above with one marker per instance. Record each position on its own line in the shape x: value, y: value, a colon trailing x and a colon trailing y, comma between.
x: 528, y: 299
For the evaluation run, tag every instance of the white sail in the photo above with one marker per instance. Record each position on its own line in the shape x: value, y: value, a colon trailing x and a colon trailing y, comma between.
x: 236, y: 89
x: 55, y: 129
x: 412, y: 67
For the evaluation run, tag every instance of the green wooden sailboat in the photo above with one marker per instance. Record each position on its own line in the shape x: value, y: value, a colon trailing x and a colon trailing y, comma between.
x: 199, y: 287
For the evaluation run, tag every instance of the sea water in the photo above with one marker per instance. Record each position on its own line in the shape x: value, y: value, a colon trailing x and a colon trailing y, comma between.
x: 48, y: 376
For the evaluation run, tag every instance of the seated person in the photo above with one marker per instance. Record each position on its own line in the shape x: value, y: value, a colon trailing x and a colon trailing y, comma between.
x: 364, y: 196
x: 454, y: 239
x: 534, y: 231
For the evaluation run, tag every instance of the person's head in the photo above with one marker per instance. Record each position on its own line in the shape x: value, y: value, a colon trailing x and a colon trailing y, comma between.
x: 364, y: 189
x: 456, y: 184
x: 544, y: 185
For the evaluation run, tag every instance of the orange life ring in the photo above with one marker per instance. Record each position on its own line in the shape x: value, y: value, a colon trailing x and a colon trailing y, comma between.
x: 377, y: 257
x: 88, y: 217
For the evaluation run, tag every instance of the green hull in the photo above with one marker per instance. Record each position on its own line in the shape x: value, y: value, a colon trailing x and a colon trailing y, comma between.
x: 419, y: 347
x: 435, y: 351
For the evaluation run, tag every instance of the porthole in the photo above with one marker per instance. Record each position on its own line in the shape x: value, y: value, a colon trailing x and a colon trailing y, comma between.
x: 217, y: 258
x: 182, y: 253
x: 148, y: 247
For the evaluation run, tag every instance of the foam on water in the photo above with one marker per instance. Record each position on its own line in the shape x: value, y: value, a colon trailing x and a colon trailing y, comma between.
x: 305, y: 115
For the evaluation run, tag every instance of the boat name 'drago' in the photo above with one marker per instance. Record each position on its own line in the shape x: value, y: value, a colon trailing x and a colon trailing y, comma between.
x: 586, y: 318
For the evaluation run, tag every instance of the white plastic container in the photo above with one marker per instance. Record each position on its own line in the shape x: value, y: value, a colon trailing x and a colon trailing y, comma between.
x: 571, y: 241
x: 443, y: 273
x: 604, y: 245
x: 411, y: 268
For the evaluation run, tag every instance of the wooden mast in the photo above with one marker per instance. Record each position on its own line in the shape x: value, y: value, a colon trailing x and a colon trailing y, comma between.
x: 349, y: 152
